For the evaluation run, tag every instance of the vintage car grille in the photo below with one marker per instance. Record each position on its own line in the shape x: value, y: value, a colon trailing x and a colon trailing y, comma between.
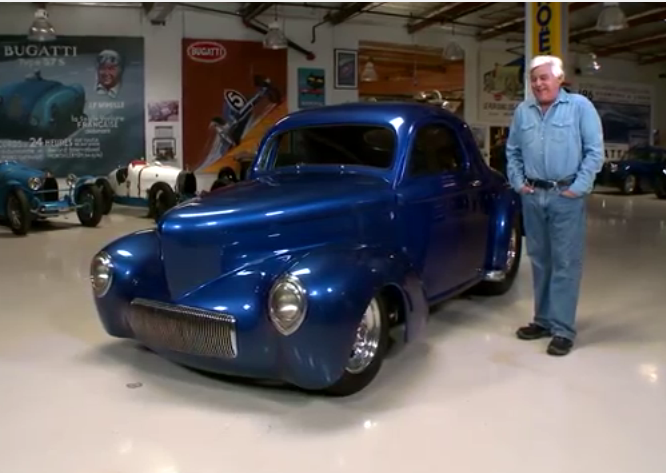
x: 50, y: 189
x: 183, y: 329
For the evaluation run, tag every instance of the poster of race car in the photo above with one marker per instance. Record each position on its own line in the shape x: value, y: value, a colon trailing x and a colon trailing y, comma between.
x: 502, y: 85
x: 233, y: 91
x: 75, y: 105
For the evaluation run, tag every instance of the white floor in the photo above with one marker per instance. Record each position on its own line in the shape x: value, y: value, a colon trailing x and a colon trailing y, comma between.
x: 471, y: 398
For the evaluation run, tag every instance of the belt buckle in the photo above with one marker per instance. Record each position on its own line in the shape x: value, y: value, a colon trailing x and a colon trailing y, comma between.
x: 553, y: 184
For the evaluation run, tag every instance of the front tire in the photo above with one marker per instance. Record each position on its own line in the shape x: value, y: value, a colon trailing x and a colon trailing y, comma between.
x: 18, y: 212
x: 162, y: 198
x: 368, y: 351
x: 92, y: 205
x: 107, y: 195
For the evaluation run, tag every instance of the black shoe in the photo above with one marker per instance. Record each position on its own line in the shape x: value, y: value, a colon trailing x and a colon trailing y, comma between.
x: 532, y: 332
x: 560, y: 346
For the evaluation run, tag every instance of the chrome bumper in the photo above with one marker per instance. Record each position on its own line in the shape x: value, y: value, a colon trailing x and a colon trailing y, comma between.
x: 182, y: 329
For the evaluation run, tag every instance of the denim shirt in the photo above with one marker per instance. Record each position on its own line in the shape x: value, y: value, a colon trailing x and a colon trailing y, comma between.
x: 566, y: 142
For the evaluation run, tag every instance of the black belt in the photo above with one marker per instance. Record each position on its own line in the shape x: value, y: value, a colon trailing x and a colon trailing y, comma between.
x: 542, y: 184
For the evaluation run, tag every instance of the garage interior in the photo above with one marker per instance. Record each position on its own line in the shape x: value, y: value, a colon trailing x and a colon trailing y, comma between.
x: 75, y: 400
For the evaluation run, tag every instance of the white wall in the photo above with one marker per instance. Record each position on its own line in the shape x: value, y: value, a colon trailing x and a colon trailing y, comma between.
x: 163, y: 48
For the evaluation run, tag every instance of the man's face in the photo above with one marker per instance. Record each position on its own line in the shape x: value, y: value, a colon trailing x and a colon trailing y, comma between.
x: 107, y: 75
x: 545, y: 86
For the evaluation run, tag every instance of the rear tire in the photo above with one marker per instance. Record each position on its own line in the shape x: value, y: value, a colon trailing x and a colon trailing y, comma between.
x: 370, y: 347
x: 514, y: 253
x: 629, y: 185
x: 18, y: 212
x: 93, y: 205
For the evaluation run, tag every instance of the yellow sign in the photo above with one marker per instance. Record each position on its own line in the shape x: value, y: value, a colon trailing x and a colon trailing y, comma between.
x: 548, y: 35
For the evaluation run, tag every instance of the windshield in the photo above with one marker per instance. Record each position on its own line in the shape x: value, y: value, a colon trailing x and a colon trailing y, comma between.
x: 353, y: 145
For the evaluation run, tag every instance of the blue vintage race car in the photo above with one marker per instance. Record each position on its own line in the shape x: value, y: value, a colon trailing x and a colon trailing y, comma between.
x: 36, y: 107
x: 28, y: 194
x: 637, y: 171
x: 354, y: 219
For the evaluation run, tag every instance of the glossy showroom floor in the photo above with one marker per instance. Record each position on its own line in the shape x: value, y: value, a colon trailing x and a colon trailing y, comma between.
x: 470, y: 398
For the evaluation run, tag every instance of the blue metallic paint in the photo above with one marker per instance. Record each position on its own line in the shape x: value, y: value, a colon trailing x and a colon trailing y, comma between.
x: 347, y: 232
x: 646, y: 172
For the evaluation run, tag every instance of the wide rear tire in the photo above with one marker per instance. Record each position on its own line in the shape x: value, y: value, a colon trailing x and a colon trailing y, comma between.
x: 514, y: 254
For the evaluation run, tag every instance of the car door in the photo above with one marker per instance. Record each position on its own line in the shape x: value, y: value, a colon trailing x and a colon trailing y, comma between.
x: 440, y: 210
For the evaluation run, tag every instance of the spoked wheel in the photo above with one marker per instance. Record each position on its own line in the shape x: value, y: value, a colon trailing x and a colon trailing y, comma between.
x: 367, y: 352
x: 18, y: 212
x: 91, y: 203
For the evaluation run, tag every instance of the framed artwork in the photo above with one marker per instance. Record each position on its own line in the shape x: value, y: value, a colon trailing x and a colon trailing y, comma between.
x: 346, y: 69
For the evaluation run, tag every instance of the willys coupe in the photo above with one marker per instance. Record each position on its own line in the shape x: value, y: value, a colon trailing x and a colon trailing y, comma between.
x: 28, y: 194
x: 353, y: 219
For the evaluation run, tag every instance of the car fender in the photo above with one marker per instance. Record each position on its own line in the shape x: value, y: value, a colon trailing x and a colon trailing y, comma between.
x: 506, y: 207
x: 340, y: 284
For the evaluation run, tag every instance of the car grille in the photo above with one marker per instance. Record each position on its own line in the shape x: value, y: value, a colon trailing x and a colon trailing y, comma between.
x: 183, y: 329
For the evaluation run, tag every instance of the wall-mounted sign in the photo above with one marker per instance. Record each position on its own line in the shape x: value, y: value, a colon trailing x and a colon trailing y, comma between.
x: 206, y: 51
x: 548, y: 34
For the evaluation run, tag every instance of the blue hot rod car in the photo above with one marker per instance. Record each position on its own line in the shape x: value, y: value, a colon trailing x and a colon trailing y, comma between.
x: 28, y: 194
x: 36, y: 107
x: 354, y: 218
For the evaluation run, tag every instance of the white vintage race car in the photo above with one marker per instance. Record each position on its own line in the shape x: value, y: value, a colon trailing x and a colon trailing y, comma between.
x: 153, y: 184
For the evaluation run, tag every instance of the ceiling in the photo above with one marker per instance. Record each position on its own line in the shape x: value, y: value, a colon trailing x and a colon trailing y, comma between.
x: 644, y: 40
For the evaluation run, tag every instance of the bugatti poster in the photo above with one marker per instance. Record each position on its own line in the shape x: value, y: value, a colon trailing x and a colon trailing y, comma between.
x: 72, y: 106
x: 233, y: 91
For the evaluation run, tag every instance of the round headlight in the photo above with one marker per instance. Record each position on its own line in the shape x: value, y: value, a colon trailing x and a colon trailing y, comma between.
x: 35, y: 183
x: 287, y: 304
x: 71, y: 180
x: 101, y: 274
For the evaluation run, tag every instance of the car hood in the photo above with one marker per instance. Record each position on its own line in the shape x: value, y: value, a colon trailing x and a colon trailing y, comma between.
x: 243, y: 224
x: 19, y: 171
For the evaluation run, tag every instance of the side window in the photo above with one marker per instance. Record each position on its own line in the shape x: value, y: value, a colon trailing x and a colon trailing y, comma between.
x: 435, y: 151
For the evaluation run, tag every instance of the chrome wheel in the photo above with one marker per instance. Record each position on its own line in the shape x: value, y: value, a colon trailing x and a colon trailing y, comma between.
x: 630, y: 184
x: 513, y: 250
x: 368, y: 337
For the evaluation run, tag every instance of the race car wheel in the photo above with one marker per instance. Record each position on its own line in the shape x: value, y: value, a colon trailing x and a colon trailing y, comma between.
x: 162, y: 198
x: 91, y: 203
x: 367, y: 352
x: 107, y: 195
x: 18, y: 212
x: 513, y: 256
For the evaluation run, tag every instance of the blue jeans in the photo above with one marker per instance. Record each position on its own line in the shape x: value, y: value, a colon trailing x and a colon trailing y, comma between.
x: 555, y: 236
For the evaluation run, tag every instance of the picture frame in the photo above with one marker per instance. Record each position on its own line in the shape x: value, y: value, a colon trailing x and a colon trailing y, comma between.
x: 346, y: 69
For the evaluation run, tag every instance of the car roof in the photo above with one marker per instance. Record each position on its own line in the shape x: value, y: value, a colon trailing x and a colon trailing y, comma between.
x: 381, y: 113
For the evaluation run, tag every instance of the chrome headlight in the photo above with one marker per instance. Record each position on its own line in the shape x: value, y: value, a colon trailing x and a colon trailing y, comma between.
x: 71, y: 180
x: 101, y: 274
x: 35, y: 183
x: 287, y: 304
x: 613, y: 167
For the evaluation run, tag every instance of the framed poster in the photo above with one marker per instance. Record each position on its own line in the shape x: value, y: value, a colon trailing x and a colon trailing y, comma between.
x: 75, y: 105
x: 346, y: 68
x: 311, y: 87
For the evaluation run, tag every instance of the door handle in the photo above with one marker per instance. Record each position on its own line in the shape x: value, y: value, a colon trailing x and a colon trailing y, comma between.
x: 475, y: 183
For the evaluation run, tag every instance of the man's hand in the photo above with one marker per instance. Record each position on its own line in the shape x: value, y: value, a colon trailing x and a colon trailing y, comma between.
x: 527, y: 190
x: 568, y: 193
